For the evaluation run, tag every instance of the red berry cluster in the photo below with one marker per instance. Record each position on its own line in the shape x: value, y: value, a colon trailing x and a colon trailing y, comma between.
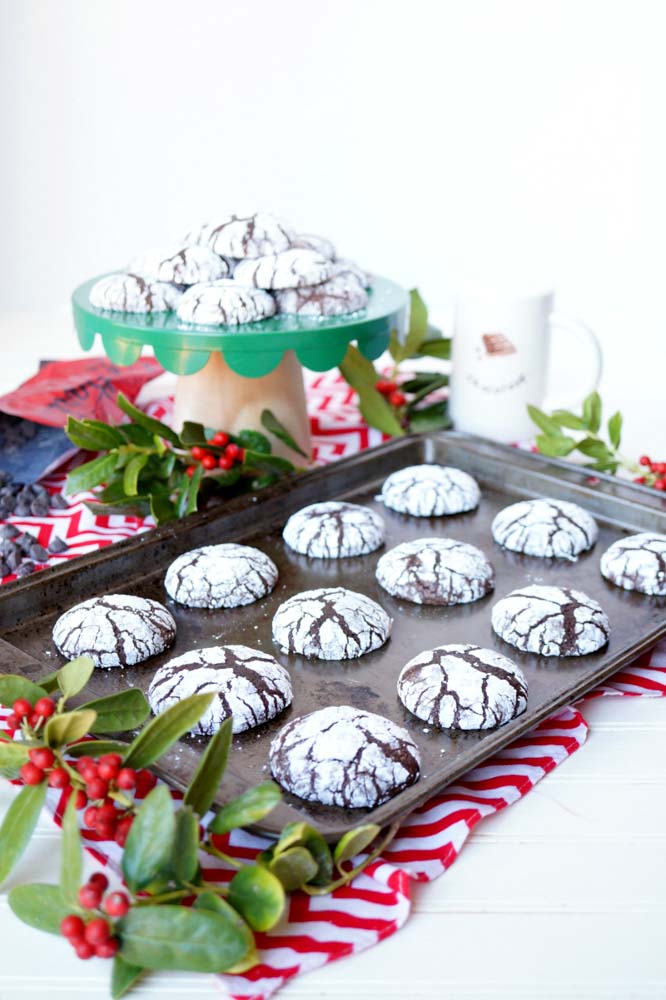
x: 391, y: 391
x: 32, y: 715
x: 231, y: 454
x: 655, y: 474
x: 95, y: 937
x: 103, y: 777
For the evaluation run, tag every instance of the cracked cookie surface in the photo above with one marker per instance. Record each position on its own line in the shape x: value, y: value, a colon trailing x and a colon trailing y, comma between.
x: 224, y: 303
x: 244, y: 235
x: 289, y: 269
x: 117, y: 630
x: 551, y: 621
x: 343, y: 756
x: 547, y: 528
x: 462, y: 686
x: 249, y: 685
x: 331, y: 623
x: 436, y: 571
x: 220, y: 576
x: 637, y: 562
x: 430, y: 491
x: 184, y: 265
x: 129, y: 292
x: 340, y: 294
x: 334, y: 530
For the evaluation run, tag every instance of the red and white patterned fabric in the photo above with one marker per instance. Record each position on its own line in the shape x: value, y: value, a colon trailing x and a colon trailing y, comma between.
x: 320, y: 929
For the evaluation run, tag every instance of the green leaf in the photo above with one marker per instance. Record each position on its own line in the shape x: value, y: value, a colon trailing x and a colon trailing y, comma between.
x: 162, y: 509
x: 615, y: 429
x: 139, y: 507
x: 137, y: 435
x: 254, y: 440
x: 430, y: 418
x: 592, y: 412
x: 92, y: 435
x: 177, y: 937
x: 210, y: 901
x: 17, y: 826
x: 419, y: 380
x: 123, y: 977
x: 165, y: 729
x: 116, y: 713
x: 68, y: 727
x: 148, y: 423
x: 193, y: 433
x: 261, y: 482
x: 189, y: 491
x: 208, y: 776
x: 74, y: 676
x: 39, y: 905
x: 13, y: 686
x: 226, y: 477
x: 71, y: 861
x: 185, y: 851
x: 436, y: 382
x: 357, y: 369
x: 294, y: 868
x: 248, y: 808
x: 48, y: 683
x: 267, y: 463
x: 258, y: 896
x: 377, y: 412
x: 304, y: 835
x: 416, y: 333
x: 566, y: 419
x: 555, y: 446
x: 354, y: 842
x: 91, y: 474
x: 13, y: 756
x: 273, y: 425
x: 542, y: 420
x: 595, y: 449
x: 131, y: 474
x: 150, y: 842
x: 439, y: 347
x: 96, y: 748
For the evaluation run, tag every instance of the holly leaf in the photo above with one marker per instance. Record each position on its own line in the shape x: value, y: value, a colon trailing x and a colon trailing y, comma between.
x: 273, y: 425
x: 84, y: 477
x: 18, y: 825
x: 149, y: 847
x: 39, y: 905
x: 208, y: 776
x: 294, y: 868
x: 255, y: 440
x: 430, y: 418
x: 555, y: 446
x: 116, y: 713
x: 189, y: 491
x: 13, y: 686
x: 435, y: 382
x: 354, y: 842
x: 377, y: 412
x: 148, y: 423
x: 213, y: 902
x: 96, y: 748
x: 74, y: 676
x: 438, y: 347
x: 566, y: 419
x: 123, y: 977
x: 615, y: 429
x: 185, y: 851
x: 71, y: 862
x: 258, y: 896
x: 162, y: 508
x: 92, y: 435
x: 68, y: 727
x: 416, y: 332
x: 304, y: 835
x: 592, y: 412
x: 13, y: 755
x: 165, y: 729
x: 595, y: 449
x: 193, y: 433
x: 131, y: 474
x: 547, y: 424
x: 248, y: 808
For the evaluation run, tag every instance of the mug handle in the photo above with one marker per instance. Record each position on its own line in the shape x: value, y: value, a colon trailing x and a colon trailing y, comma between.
x: 563, y: 321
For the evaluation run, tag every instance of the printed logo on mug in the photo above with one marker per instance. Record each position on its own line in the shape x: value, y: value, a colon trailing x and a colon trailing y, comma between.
x: 500, y: 357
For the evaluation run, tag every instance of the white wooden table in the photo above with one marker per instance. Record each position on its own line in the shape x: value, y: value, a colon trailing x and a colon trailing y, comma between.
x: 560, y: 897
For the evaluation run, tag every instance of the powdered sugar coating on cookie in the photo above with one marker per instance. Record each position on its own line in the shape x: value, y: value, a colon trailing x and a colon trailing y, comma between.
x: 551, y: 621
x: 224, y: 303
x: 289, y: 269
x: 462, y: 686
x: 129, y: 292
x: 308, y: 241
x: 220, y: 576
x: 343, y: 756
x: 244, y: 236
x: 341, y: 294
x: 439, y: 571
x: 430, y: 491
x: 185, y: 265
x: 637, y: 562
x: 547, y: 528
x: 334, y: 530
x: 117, y: 630
x: 249, y: 685
x: 330, y: 623
x: 344, y: 266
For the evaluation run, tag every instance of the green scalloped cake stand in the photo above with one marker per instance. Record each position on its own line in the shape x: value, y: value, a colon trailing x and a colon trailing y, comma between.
x: 228, y: 375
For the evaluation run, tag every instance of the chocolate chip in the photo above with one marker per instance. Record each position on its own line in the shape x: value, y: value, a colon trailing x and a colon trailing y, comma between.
x: 39, y: 507
x: 22, y: 509
x: 58, y: 501
x: 25, y: 568
x: 4, y: 569
x: 8, y: 531
x: 14, y: 559
x: 57, y: 545
x: 38, y: 553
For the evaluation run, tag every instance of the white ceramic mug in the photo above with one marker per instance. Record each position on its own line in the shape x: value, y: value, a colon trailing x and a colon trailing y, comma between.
x: 500, y: 360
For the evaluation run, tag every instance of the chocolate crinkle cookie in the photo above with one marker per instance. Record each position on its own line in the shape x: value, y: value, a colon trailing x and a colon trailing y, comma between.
x: 249, y: 685
x: 551, y: 621
x: 436, y: 571
x: 244, y: 236
x: 289, y: 269
x: 330, y: 624
x: 342, y: 756
x: 343, y: 293
x: 117, y: 630
x: 220, y: 576
x: 224, y: 303
x: 430, y: 491
x: 129, y: 292
x: 334, y: 530
x: 463, y: 686
x: 308, y: 241
x: 547, y: 528
x: 637, y: 563
x: 186, y: 265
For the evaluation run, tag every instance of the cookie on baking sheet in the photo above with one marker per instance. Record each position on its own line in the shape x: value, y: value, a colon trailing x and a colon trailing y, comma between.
x: 462, y: 686
x: 116, y: 630
x: 334, y: 530
x: 436, y: 571
x: 244, y: 235
x: 220, y: 576
x: 430, y: 491
x: 182, y: 265
x: 637, y: 562
x: 551, y: 621
x: 343, y: 756
x: 308, y: 241
x: 331, y: 623
x: 249, y: 685
x: 129, y: 292
x: 224, y: 303
x: 343, y: 293
x: 547, y: 528
x: 289, y: 269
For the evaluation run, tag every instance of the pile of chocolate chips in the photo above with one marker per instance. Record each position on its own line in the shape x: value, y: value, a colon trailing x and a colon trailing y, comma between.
x: 26, y: 501
x: 20, y: 551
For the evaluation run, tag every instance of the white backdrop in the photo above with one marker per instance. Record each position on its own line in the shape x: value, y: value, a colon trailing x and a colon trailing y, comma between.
x: 428, y: 139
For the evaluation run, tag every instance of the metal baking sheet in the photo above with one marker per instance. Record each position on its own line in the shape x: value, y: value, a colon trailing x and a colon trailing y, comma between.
x: 29, y: 608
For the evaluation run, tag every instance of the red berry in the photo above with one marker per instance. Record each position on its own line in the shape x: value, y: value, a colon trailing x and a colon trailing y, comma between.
x: 209, y: 461
x: 219, y: 439
x: 107, y: 949
x: 117, y: 904
x: 97, y: 931
x: 660, y: 484
x: 90, y: 817
x: 30, y: 774
x: 84, y: 949
x: 83, y: 763
x: 72, y: 926
x: 45, y: 707
x: 145, y: 782
x: 100, y: 880
x: 190, y: 470
x: 224, y: 462
x: 197, y: 452
x: 12, y: 722
x: 107, y: 771
x: 397, y: 398
x: 80, y: 799
x: 97, y: 788
x: 42, y: 757
x: 659, y: 467
x: 22, y: 707
x: 111, y: 758
x: 33, y: 720
x: 107, y: 813
x: 59, y: 778
x: 90, y: 896
x: 639, y: 479
x: 232, y: 451
x: 385, y: 386
x: 126, y: 778
x: 122, y: 830
x: 644, y: 460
